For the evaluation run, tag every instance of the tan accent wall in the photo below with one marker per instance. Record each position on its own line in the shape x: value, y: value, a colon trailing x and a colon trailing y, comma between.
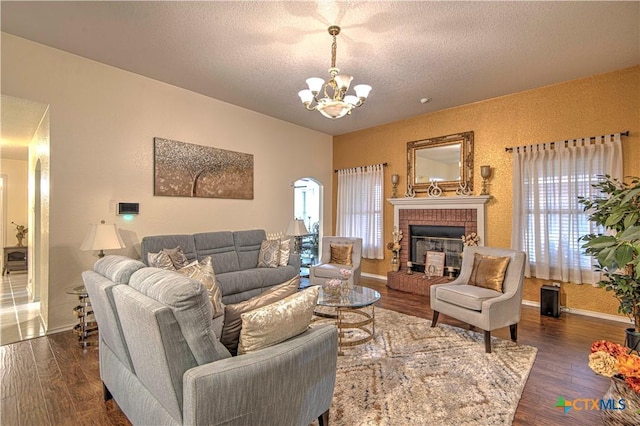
x: 592, y: 106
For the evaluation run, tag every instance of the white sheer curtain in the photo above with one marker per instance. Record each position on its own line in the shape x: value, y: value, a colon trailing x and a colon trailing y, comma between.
x: 359, y: 209
x: 547, y: 219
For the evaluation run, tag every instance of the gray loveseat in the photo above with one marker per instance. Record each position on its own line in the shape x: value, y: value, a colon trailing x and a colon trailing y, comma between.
x: 234, y: 256
x: 163, y: 365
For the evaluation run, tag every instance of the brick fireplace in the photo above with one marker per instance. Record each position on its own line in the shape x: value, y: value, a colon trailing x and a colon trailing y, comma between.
x: 468, y: 212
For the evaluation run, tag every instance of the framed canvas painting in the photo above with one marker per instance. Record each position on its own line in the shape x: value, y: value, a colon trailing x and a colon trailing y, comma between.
x: 187, y: 170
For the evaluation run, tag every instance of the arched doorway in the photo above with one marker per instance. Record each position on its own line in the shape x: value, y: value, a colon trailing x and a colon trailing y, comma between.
x: 307, y: 206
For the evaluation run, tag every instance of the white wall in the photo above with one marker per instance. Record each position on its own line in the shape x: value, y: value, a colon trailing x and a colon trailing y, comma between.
x: 16, y: 193
x: 102, y: 124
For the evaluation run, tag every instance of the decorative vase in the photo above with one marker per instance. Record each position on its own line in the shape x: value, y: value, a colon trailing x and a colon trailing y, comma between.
x: 395, y: 262
x: 632, y: 340
x: 616, y: 415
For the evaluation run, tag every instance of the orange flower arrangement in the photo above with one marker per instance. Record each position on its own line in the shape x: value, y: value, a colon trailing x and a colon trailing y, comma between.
x: 611, y: 359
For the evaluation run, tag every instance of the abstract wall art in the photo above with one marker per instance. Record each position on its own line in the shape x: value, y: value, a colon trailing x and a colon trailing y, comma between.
x: 187, y: 170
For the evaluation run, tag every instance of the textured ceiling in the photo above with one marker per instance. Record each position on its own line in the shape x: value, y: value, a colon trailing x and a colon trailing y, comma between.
x: 257, y: 55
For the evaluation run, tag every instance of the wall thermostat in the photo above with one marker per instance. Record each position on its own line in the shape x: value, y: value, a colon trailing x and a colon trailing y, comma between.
x: 128, y: 208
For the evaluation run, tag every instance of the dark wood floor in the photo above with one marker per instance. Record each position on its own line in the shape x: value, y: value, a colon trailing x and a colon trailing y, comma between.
x: 51, y: 381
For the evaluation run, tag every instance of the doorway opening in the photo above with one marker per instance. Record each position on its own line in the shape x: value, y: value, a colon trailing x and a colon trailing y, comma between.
x: 24, y: 202
x: 307, y: 207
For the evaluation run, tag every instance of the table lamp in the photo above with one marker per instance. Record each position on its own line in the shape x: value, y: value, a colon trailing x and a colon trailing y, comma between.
x: 297, y: 229
x: 102, y: 237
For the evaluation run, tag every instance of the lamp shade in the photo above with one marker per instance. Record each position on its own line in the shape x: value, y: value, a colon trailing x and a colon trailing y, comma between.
x: 296, y: 228
x: 102, y: 237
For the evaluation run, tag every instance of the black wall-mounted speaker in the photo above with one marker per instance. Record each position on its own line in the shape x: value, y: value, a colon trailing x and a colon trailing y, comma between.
x: 128, y: 208
x: 550, y: 301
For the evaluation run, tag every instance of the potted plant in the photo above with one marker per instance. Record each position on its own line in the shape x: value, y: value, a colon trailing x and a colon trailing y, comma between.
x: 617, y: 250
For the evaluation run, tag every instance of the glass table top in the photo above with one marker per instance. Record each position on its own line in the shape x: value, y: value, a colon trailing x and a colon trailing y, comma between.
x: 356, y: 297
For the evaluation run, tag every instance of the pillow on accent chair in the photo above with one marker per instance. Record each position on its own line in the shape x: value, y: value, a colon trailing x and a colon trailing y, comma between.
x: 488, y: 271
x: 341, y: 254
x: 269, y: 255
x: 203, y: 272
x: 232, y: 313
x: 160, y: 260
x: 277, y: 322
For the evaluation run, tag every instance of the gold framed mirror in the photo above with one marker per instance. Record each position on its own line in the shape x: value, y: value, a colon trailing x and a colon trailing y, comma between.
x: 447, y: 160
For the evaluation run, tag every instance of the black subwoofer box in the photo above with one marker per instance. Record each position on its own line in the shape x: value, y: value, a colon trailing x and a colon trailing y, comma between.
x: 550, y: 301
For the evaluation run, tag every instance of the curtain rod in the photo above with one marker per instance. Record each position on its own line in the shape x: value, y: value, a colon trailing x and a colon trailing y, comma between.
x: 510, y: 149
x: 337, y: 170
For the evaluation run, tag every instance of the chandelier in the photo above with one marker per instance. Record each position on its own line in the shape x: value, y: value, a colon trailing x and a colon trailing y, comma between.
x: 334, y: 104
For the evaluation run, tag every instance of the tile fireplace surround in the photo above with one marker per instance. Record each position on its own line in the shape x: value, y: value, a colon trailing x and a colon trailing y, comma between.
x: 466, y: 211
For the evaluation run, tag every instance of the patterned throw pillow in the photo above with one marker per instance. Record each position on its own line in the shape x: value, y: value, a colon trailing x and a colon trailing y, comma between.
x: 232, y: 313
x: 286, y: 244
x: 203, y: 272
x: 269, y: 255
x: 341, y: 254
x: 160, y: 260
x: 285, y: 251
x: 488, y: 271
x: 177, y: 257
x: 277, y: 322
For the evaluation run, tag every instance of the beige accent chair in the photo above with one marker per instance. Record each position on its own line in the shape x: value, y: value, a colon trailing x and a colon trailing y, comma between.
x: 481, y: 307
x: 324, y: 271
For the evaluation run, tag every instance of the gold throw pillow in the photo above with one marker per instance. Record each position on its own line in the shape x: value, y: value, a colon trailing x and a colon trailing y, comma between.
x: 277, y: 322
x: 232, y: 313
x: 488, y: 271
x: 341, y: 254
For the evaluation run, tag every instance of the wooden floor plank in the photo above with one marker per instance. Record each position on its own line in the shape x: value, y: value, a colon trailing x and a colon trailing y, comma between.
x: 60, y: 404
x: 71, y: 375
x: 30, y: 398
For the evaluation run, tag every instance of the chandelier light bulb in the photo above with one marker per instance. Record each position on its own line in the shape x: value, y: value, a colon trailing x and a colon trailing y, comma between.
x: 335, y: 103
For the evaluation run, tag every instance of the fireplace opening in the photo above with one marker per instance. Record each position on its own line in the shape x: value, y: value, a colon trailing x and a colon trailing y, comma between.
x: 446, y: 239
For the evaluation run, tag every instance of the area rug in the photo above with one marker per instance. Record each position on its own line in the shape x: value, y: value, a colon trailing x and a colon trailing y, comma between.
x: 412, y: 374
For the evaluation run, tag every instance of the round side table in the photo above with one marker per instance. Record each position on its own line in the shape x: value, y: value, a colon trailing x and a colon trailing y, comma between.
x: 87, y: 325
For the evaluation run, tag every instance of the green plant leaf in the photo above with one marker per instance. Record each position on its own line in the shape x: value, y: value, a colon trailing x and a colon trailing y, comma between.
x: 613, y: 219
x: 631, y: 219
x: 607, y: 257
x: 632, y: 193
x: 601, y: 242
x: 630, y: 234
x: 624, y: 254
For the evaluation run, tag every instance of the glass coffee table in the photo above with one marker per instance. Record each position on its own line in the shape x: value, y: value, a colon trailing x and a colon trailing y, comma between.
x: 347, y: 310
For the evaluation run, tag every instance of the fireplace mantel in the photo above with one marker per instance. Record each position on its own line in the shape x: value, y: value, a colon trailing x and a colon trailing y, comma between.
x: 445, y: 202
x: 477, y: 202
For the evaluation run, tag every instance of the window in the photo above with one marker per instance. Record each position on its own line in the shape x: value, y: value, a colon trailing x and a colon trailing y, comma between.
x: 359, y: 209
x: 547, y: 218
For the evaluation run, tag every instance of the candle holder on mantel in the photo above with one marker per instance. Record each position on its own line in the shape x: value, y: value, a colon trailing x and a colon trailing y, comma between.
x: 394, y: 185
x: 485, y: 172
x: 409, y: 268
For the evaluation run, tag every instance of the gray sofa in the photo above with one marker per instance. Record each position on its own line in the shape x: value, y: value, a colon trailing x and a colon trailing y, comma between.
x: 234, y: 256
x: 163, y: 365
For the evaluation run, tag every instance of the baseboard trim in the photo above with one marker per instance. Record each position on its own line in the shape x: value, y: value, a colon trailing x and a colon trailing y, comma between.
x: 60, y: 329
x: 563, y: 309
x: 583, y: 312
x: 374, y: 276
